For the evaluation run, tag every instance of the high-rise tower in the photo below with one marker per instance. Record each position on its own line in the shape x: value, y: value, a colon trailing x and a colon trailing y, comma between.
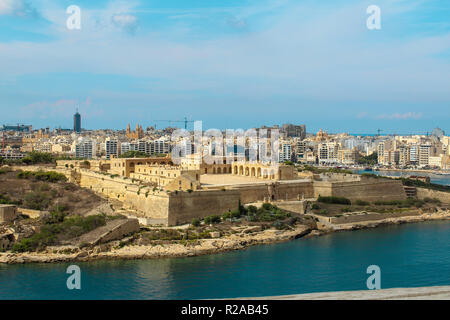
x: 77, y: 122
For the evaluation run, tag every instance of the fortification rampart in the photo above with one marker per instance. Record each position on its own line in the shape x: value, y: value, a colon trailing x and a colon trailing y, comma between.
x: 275, y: 191
x: 176, y: 207
x: 369, y: 189
x: 362, y: 217
x: 184, y: 206
x: 427, y: 193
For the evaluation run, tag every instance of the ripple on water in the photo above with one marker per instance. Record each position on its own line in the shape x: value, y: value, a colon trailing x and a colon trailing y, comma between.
x: 409, y: 255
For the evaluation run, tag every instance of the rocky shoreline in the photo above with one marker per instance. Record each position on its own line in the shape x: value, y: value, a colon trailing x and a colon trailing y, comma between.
x: 440, y: 215
x: 201, y: 247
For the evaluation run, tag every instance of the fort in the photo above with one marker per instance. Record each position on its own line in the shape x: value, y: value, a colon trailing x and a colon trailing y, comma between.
x: 159, y: 192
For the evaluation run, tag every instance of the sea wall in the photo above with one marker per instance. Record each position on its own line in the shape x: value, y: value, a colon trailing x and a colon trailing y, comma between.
x: 150, y: 203
x: 427, y: 193
x: 369, y: 189
x: 364, y: 217
x: 171, y: 208
x: 184, y: 206
x: 152, y: 206
x: 293, y: 206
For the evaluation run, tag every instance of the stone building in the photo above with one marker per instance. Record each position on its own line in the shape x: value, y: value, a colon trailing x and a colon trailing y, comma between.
x: 8, y: 213
x: 125, y: 166
x: 134, y: 135
x: 168, y: 177
x: 264, y: 171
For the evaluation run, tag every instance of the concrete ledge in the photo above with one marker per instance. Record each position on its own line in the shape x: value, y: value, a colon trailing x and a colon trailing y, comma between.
x: 421, y: 293
x: 113, y: 230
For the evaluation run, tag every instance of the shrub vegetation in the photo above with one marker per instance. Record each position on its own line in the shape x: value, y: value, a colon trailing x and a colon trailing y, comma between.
x: 59, y: 226
x: 335, y: 200
x: 50, y: 176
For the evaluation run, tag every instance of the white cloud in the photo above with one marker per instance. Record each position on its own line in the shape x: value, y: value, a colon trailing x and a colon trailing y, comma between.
x: 327, y: 55
x: 16, y: 8
x: 126, y: 22
x: 236, y: 22
x: 58, y: 109
x: 400, y: 116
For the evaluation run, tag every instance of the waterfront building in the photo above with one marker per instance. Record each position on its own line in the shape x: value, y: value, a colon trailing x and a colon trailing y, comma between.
x: 424, y: 154
x: 328, y: 152
x: 348, y: 156
x: 404, y: 155
x: 435, y: 161
x: 414, y: 154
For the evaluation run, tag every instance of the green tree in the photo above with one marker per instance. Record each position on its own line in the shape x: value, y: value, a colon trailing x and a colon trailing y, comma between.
x: 371, y: 159
x: 134, y: 154
x: 36, y: 157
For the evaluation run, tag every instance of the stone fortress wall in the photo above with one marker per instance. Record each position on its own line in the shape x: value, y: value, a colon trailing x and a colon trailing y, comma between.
x: 426, y: 193
x: 357, y: 187
x: 364, y: 217
x: 157, y: 205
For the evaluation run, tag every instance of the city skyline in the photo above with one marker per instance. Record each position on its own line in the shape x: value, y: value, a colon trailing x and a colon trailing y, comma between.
x: 246, y: 63
x: 174, y: 124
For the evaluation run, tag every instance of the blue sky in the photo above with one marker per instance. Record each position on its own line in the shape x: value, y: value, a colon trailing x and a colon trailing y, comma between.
x: 229, y: 63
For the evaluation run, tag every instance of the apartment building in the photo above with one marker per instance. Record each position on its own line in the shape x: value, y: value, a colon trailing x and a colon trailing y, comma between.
x: 285, y: 152
x: 85, y: 148
x: 424, y: 154
x: 111, y: 148
x: 328, y: 152
x: 348, y: 156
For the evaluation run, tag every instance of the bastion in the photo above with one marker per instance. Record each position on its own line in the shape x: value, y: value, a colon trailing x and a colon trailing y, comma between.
x: 217, y: 193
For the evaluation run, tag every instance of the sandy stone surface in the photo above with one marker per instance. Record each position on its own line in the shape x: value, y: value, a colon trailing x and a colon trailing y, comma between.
x: 422, y: 293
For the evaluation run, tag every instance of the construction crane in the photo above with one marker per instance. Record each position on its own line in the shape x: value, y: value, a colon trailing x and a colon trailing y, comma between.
x: 185, y: 122
x: 3, y: 142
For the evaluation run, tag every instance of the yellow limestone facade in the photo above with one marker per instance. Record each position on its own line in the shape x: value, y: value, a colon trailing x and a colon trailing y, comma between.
x: 263, y: 171
x: 162, y: 193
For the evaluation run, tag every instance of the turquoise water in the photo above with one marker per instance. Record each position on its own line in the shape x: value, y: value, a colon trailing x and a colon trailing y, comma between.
x: 434, y: 178
x: 409, y: 255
